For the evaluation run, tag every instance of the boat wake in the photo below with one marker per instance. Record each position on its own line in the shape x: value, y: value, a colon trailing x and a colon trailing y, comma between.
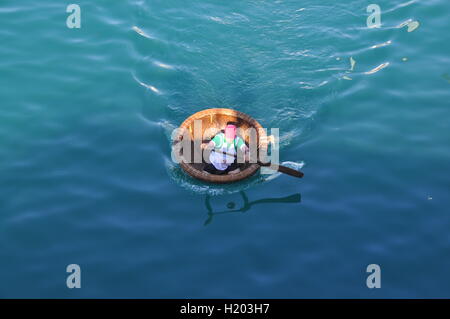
x: 201, y: 188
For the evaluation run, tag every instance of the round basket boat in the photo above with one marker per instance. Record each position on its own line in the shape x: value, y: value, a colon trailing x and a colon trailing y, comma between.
x: 212, y: 122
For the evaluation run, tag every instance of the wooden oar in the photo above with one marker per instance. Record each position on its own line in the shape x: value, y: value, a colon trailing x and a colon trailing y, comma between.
x: 277, y: 167
x: 283, y: 169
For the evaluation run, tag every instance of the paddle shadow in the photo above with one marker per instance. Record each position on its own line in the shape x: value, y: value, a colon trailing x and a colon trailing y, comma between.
x: 295, y: 198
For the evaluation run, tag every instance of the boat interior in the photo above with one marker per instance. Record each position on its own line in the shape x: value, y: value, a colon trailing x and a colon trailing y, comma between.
x: 203, y: 129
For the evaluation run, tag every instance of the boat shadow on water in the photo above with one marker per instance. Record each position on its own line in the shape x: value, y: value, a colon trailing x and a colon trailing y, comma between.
x: 247, y: 205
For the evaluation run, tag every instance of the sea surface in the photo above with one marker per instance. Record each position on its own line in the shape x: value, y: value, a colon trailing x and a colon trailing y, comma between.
x: 86, y: 175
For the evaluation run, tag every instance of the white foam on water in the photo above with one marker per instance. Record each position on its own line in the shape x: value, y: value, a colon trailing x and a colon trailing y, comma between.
x: 378, y: 68
x: 198, y: 187
x: 241, y: 16
x: 413, y: 26
x: 163, y: 65
x: 352, y: 64
x: 232, y: 18
x: 381, y: 44
x: 401, y: 5
x: 410, y: 23
x: 287, y: 137
x: 141, y: 32
x: 311, y: 87
x: 148, y: 86
x: 219, y: 20
x: 298, y: 53
x: 269, y: 177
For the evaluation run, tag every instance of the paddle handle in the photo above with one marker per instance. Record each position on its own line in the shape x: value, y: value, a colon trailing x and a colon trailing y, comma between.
x: 277, y: 167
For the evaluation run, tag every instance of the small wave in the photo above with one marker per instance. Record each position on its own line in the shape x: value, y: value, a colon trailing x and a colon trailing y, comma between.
x: 298, y: 53
x: 141, y: 32
x: 230, y: 19
x: 413, y: 26
x: 401, y: 25
x: 410, y: 23
x: 378, y: 68
x: 200, y: 188
x: 287, y: 137
x: 401, y: 5
x: 168, y: 128
x: 311, y: 87
x: 352, y: 64
x: 381, y: 45
x: 148, y: 86
x: 163, y: 65
x: 241, y: 16
x: 219, y: 20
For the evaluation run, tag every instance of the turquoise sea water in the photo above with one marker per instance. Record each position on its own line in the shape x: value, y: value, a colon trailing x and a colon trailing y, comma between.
x: 86, y: 175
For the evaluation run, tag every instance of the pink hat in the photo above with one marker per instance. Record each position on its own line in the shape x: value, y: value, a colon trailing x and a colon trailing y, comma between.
x: 230, y: 132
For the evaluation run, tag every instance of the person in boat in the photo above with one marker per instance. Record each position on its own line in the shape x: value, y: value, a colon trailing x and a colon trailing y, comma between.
x: 224, y: 146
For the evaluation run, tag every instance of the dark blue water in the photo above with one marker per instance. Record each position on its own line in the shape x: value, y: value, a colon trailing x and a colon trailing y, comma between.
x: 86, y: 174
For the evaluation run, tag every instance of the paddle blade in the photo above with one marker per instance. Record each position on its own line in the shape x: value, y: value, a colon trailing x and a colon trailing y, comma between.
x: 284, y: 169
x: 290, y: 171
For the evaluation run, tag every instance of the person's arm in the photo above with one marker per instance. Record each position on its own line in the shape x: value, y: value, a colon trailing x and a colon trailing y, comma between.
x: 245, y: 149
x: 209, y: 145
x: 215, y: 141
